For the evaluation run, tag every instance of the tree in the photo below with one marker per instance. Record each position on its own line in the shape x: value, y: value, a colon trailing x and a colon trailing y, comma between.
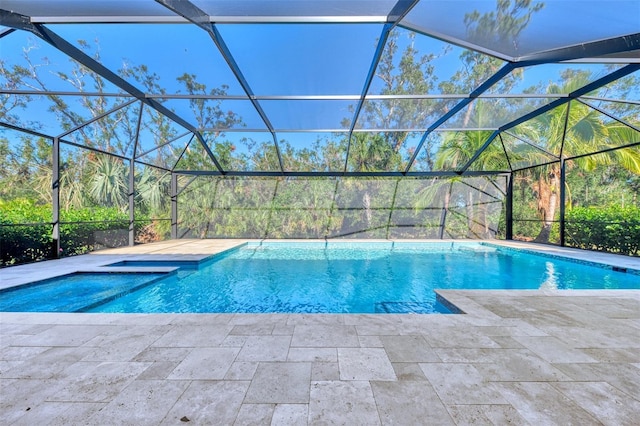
x: 495, y: 30
x: 457, y: 149
x: 585, y: 133
x: 210, y: 114
x: 108, y: 185
x: 95, y: 178
x: 500, y: 29
x: 26, y: 168
x: 403, y: 72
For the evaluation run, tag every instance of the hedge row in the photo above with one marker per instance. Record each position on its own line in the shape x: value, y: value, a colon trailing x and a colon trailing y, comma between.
x: 612, y: 229
x: 25, y: 231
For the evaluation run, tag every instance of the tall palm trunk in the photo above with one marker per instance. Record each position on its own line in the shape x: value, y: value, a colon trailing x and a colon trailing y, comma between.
x: 366, y: 202
x: 445, y: 210
x: 471, y: 233
x: 546, y: 188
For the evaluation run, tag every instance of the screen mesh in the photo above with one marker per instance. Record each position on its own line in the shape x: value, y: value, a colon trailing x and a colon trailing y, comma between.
x: 294, y: 207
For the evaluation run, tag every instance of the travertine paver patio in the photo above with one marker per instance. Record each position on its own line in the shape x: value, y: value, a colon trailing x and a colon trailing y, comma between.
x: 521, y: 357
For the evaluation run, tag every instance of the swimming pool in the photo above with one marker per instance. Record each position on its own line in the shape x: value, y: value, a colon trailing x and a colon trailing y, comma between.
x: 73, y: 293
x: 313, y: 277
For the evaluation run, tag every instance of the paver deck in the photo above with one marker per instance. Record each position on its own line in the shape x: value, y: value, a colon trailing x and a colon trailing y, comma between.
x: 514, y: 357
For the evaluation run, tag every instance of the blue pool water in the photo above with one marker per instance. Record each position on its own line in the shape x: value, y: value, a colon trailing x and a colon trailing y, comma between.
x: 73, y: 293
x: 347, y: 278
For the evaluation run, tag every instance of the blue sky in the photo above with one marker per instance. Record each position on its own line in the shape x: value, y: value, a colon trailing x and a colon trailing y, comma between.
x: 276, y: 59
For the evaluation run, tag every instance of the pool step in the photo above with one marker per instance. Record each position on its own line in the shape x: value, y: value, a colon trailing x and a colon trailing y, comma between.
x: 405, y: 308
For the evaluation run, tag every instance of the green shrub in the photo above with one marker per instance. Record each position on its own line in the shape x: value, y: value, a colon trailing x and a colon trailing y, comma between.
x: 26, y: 231
x: 612, y: 229
x: 89, y: 229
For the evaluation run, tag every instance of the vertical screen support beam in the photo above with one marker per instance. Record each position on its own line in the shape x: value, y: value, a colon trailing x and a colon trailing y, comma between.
x: 331, y: 211
x: 563, y: 196
x: 509, y: 208
x: 393, y: 204
x: 174, y: 206
x: 132, y: 193
x: 382, y: 41
x: 55, y: 197
x: 132, y: 181
x: 271, y: 207
x: 445, y: 210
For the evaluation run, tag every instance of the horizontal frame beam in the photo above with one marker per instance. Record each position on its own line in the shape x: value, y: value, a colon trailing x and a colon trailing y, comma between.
x: 170, y: 141
x: 604, y: 151
x: 92, y: 149
x: 23, y: 130
x: 531, y: 144
x: 575, y: 157
x: 66, y: 93
x: 611, y: 116
x: 346, y: 131
x: 548, y: 163
x: 594, y: 49
x: 621, y: 101
x: 97, y: 117
x: 337, y: 174
x: 297, y: 97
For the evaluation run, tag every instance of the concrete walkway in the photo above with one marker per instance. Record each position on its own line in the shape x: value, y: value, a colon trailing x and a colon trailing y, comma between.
x: 514, y: 357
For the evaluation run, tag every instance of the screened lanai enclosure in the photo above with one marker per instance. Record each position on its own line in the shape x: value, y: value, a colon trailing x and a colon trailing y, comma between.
x: 127, y: 122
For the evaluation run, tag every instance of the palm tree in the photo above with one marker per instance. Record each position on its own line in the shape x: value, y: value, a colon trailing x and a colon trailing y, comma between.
x: 152, y: 188
x: 584, y: 132
x: 455, y: 152
x: 108, y: 185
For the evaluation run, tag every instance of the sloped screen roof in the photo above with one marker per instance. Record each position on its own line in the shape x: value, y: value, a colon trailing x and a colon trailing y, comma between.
x: 318, y: 87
